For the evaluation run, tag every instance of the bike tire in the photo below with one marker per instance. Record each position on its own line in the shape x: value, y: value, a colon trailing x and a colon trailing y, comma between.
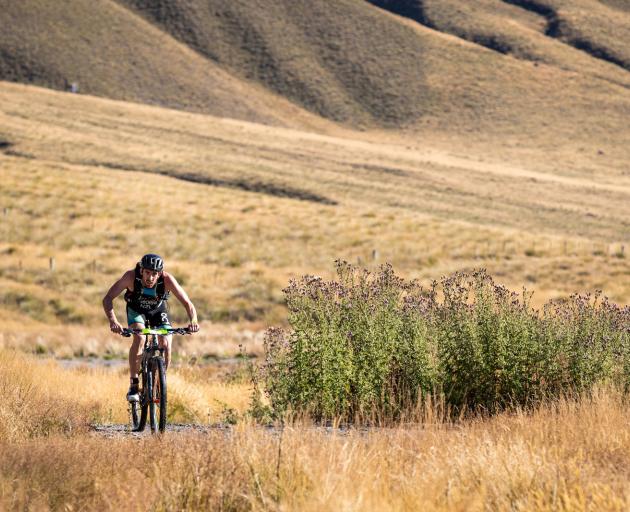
x: 144, y: 405
x: 151, y: 394
x: 161, y: 396
x: 134, y: 411
x: 158, y: 401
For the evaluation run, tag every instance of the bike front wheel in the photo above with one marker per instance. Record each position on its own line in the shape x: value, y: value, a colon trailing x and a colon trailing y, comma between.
x: 157, y: 393
x: 134, y: 411
x: 140, y: 409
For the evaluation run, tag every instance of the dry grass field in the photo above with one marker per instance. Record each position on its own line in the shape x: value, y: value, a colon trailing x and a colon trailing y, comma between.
x: 567, y: 455
x: 238, y: 209
x: 42, y: 397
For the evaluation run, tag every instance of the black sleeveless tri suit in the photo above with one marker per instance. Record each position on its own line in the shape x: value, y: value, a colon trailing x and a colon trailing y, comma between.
x: 147, y: 305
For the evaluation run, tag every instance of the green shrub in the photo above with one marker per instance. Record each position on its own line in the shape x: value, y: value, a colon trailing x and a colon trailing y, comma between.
x: 371, y: 346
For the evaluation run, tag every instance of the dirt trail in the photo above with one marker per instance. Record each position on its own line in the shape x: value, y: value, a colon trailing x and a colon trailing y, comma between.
x: 119, y: 431
x: 124, y: 431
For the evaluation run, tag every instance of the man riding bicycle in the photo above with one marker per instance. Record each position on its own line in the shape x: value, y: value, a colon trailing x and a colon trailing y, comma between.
x: 147, y: 288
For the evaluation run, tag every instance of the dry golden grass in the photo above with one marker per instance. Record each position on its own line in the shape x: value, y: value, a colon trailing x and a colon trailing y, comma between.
x: 570, y: 455
x: 38, y: 397
x: 426, y: 211
x: 567, y: 455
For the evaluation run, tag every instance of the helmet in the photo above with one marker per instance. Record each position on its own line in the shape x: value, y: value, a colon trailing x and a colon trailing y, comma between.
x: 152, y: 262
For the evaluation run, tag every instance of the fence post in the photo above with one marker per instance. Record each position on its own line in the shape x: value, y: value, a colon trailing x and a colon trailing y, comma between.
x: 52, y: 264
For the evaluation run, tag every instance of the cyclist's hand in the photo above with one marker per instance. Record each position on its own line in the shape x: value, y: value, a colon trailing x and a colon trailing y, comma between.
x: 116, y: 327
x: 193, y: 327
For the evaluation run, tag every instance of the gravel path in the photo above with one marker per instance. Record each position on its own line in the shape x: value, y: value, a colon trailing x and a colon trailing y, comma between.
x: 124, y: 431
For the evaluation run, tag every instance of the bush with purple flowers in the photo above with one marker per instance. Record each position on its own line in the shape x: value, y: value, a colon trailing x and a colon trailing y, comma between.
x: 371, y: 345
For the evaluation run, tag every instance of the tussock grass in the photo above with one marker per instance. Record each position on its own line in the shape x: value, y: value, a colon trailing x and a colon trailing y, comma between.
x: 427, y: 212
x: 564, y: 455
x: 34, y: 404
x: 40, y: 399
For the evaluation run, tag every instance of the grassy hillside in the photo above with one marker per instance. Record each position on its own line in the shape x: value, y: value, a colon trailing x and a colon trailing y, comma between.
x: 348, y: 61
x: 590, y: 26
x: 351, y: 62
x: 238, y: 208
x: 585, y: 36
x: 343, y: 61
x: 108, y: 51
x: 535, y: 31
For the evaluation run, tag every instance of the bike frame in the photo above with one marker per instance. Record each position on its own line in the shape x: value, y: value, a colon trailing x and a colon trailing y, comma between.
x: 152, y: 359
x: 150, y: 351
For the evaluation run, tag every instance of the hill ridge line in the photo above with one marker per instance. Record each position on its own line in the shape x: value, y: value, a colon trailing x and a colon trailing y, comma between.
x: 554, y: 31
x: 416, y: 11
x: 145, y: 20
x: 186, y: 47
x: 419, y: 15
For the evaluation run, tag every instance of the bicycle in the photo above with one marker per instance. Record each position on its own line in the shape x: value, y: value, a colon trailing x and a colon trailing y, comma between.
x: 152, y: 380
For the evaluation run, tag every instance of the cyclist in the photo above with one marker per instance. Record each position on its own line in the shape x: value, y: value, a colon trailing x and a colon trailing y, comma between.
x: 146, y: 288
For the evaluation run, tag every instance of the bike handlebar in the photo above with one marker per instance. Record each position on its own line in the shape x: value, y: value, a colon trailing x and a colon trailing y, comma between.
x: 161, y: 332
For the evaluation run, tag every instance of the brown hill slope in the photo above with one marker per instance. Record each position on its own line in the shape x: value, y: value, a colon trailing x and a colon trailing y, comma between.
x: 348, y: 61
x: 355, y: 63
x: 584, y: 35
x: 587, y: 25
x: 111, y: 52
x: 341, y: 60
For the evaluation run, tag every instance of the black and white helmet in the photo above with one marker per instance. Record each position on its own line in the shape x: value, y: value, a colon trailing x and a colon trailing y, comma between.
x: 152, y: 262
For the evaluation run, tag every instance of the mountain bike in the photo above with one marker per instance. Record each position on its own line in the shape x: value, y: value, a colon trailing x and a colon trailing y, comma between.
x: 152, y: 379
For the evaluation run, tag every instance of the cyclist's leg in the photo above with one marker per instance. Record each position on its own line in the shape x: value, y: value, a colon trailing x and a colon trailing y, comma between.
x: 135, y: 321
x: 159, y: 319
x: 167, y: 343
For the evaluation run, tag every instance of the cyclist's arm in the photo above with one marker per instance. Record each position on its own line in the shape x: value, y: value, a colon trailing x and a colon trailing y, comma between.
x: 126, y: 281
x: 173, y: 286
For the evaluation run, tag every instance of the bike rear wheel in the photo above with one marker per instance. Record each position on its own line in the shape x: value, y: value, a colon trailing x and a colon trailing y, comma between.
x: 157, y: 402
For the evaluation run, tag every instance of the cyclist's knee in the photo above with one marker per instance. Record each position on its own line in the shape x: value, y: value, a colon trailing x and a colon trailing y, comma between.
x: 136, y: 326
x: 165, y: 341
x: 136, y: 342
